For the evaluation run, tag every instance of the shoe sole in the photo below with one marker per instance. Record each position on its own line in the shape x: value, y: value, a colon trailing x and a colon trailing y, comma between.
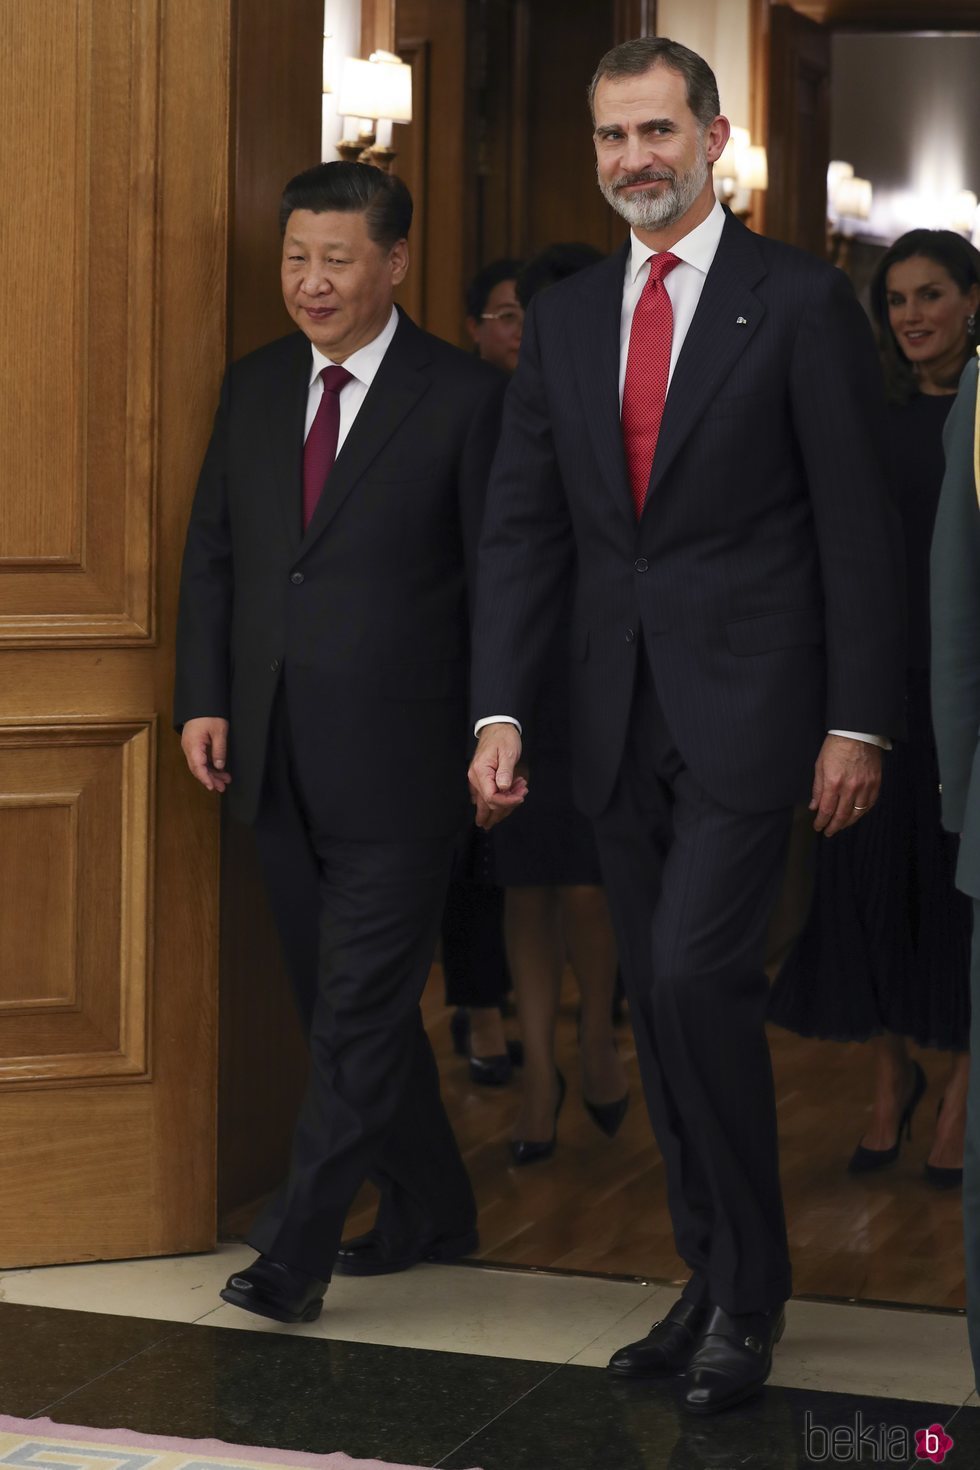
x: 443, y: 1252
x: 266, y: 1309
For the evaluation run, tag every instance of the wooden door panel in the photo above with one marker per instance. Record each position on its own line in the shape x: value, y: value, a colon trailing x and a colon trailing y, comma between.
x: 798, y: 131
x: 114, y: 146
x: 74, y: 901
x: 79, y: 164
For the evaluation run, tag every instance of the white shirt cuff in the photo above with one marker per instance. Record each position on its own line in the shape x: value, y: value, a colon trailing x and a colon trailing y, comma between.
x: 880, y: 740
x: 497, y: 720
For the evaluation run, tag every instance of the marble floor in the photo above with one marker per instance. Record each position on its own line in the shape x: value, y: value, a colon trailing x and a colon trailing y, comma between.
x: 463, y: 1366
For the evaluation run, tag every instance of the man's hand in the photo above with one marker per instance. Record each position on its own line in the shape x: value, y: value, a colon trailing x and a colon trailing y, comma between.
x: 495, y: 788
x: 846, y: 782
x: 204, y: 742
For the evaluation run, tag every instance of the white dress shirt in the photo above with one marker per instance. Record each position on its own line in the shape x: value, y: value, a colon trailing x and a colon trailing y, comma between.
x: 362, y: 365
x: 684, y: 285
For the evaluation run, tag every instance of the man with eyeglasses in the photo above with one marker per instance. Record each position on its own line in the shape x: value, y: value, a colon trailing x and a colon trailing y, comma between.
x: 494, y: 316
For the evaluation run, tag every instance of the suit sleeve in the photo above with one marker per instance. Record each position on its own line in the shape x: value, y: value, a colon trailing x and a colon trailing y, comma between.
x: 204, y: 611
x: 525, y: 551
x: 838, y: 412
x: 955, y: 587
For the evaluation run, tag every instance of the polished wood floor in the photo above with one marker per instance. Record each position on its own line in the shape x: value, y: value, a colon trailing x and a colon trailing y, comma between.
x: 599, y: 1205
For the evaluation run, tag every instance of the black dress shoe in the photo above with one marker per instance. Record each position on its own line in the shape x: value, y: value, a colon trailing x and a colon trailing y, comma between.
x: 867, y: 1160
x: 527, y: 1150
x: 608, y: 1116
x: 272, y: 1289
x: 374, y: 1254
x: 667, y: 1347
x: 733, y: 1359
x: 495, y: 1071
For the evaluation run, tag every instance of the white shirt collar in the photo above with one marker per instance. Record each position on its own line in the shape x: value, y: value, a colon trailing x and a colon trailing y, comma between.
x: 697, y: 249
x: 364, y: 363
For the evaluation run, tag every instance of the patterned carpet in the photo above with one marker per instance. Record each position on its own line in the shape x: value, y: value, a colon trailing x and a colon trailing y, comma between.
x: 31, y: 1442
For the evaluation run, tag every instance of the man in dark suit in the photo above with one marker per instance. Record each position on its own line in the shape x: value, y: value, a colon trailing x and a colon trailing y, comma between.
x: 321, y: 682
x: 735, y: 646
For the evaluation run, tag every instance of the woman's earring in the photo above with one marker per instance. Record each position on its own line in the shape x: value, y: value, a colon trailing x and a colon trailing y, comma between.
x: 971, y: 324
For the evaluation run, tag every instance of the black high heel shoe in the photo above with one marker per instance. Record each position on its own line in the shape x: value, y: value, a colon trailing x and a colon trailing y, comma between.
x: 493, y: 1071
x: 608, y: 1116
x: 866, y: 1160
x: 526, y: 1151
x: 938, y: 1175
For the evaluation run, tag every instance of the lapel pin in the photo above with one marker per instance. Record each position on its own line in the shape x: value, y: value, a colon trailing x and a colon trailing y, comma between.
x: 740, y: 321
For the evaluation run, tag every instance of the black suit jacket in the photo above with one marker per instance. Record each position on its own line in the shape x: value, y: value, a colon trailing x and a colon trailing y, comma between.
x: 365, y: 616
x: 765, y: 572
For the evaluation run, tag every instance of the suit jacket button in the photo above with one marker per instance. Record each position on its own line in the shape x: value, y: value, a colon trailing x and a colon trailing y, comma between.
x: 296, y: 578
x: 630, y: 636
x: 274, y: 666
x: 641, y: 564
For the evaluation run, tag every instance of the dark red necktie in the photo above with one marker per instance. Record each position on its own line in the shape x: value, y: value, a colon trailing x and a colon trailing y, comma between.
x: 647, y: 371
x: 320, y: 450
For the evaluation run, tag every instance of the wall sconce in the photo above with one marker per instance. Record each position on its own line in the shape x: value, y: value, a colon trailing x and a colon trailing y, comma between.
x: 374, y: 95
x: 848, y: 198
x: 742, y: 167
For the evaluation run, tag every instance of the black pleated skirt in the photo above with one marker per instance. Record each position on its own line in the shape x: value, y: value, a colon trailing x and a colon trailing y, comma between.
x: 886, y: 947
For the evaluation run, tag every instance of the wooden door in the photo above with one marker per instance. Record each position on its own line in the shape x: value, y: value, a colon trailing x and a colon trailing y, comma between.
x: 113, y: 169
x: 798, y: 131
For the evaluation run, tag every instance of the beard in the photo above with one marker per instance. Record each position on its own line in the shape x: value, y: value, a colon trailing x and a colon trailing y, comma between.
x: 657, y: 209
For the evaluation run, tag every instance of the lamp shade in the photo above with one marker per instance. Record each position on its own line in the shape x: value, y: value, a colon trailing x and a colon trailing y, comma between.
x: 837, y: 172
x: 854, y: 198
x: 726, y: 167
x: 752, y: 168
x: 394, y: 83
x: 359, y: 92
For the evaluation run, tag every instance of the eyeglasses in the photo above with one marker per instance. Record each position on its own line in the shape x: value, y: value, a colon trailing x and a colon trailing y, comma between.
x: 509, y: 318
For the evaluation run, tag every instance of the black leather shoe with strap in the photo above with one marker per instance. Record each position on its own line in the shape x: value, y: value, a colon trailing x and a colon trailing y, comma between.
x: 374, y: 1254
x: 272, y: 1289
x: 732, y: 1360
x: 667, y: 1347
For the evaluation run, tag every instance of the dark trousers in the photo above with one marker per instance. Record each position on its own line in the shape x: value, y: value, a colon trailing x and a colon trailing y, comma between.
x: 691, y: 886
x: 358, y: 922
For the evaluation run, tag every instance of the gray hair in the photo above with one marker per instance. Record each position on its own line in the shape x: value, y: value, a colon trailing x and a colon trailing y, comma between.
x: 634, y: 58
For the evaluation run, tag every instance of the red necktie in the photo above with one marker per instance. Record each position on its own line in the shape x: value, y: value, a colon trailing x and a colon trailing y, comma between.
x: 320, y: 450
x: 647, y: 370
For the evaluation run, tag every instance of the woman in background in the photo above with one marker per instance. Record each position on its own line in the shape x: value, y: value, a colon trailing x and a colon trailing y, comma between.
x: 555, y: 907
x: 885, y: 954
x: 473, y: 959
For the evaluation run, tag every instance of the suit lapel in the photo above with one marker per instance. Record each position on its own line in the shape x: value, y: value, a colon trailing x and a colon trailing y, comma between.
x: 597, y: 365
x: 286, y: 406
x: 399, y: 383
x: 727, y: 317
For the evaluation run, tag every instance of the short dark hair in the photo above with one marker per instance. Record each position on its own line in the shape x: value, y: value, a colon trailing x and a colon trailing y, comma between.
x: 945, y: 248
x: 634, y: 58
x: 478, y: 291
x: 553, y: 264
x: 352, y: 188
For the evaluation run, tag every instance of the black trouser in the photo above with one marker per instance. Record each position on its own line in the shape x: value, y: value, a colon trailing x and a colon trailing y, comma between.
x: 691, y: 885
x: 358, y: 922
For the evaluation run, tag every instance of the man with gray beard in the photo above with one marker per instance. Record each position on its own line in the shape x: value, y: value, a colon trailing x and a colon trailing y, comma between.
x: 692, y: 436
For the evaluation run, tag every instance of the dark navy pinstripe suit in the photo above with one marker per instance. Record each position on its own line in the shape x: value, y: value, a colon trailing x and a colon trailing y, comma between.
x: 755, y: 606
